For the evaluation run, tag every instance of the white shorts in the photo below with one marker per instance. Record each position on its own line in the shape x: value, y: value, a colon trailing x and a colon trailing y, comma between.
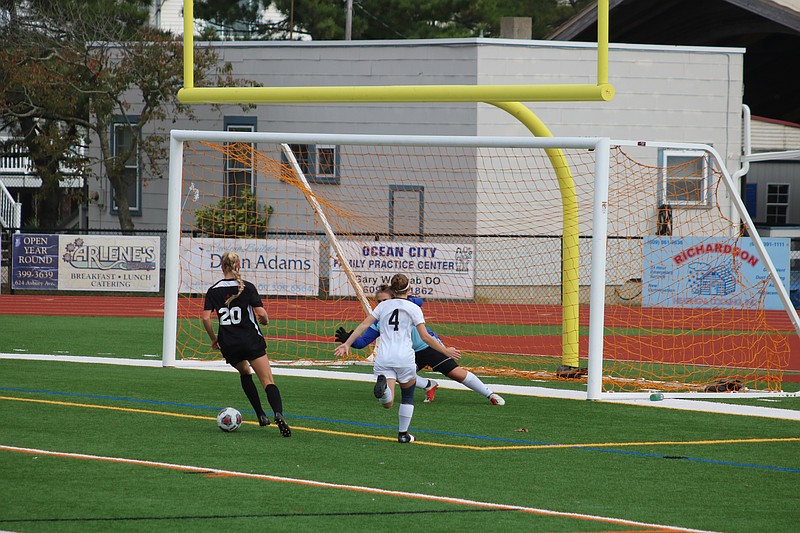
x: 401, y: 374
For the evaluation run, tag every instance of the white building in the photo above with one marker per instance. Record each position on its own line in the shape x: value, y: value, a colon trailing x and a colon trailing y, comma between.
x: 674, y: 93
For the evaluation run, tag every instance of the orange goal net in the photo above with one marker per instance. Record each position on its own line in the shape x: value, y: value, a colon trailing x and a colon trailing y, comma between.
x: 688, y: 303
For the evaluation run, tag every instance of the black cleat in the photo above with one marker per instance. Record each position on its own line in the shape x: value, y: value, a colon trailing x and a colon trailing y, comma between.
x: 263, y: 420
x: 284, y: 428
x: 380, y: 387
x: 405, y: 437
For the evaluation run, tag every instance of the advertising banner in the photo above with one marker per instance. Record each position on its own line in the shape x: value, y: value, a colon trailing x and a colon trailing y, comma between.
x: 710, y: 272
x: 85, y: 263
x: 435, y: 270
x: 275, y: 267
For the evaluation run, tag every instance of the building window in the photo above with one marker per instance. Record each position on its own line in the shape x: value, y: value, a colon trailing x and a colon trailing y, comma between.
x: 318, y: 162
x: 239, y: 174
x: 685, y: 179
x: 121, y: 143
x: 777, y: 203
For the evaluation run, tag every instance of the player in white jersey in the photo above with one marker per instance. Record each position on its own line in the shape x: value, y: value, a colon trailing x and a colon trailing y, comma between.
x: 395, y: 360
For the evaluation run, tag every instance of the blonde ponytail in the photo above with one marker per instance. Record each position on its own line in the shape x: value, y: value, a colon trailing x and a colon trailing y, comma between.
x: 230, y: 263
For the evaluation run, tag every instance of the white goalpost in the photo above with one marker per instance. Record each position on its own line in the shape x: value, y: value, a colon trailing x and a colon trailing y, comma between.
x: 477, y: 224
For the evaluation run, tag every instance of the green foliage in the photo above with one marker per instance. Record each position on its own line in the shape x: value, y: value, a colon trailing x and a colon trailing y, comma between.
x: 423, y: 19
x: 239, y: 216
x: 381, y: 19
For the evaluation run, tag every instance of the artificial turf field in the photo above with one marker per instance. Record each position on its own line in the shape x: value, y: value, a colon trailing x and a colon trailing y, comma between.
x: 96, y: 447
x: 535, y: 464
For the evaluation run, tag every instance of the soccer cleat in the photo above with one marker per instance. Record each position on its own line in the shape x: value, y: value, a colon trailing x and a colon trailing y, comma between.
x: 496, y: 399
x: 405, y: 437
x: 263, y: 420
x: 380, y: 387
x: 430, y: 391
x: 284, y: 428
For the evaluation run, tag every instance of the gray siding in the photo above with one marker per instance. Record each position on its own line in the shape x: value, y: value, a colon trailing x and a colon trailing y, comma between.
x: 766, y: 172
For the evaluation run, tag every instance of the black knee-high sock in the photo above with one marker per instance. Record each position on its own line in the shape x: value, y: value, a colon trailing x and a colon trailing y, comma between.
x: 251, y: 392
x: 274, y: 398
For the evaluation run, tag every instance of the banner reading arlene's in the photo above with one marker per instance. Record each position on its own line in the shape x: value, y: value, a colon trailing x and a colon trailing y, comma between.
x: 86, y: 263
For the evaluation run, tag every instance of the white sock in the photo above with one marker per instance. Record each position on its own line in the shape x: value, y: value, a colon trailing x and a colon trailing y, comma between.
x: 387, y: 396
x: 473, y: 382
x: 406, y: 411
x: 422, y: 383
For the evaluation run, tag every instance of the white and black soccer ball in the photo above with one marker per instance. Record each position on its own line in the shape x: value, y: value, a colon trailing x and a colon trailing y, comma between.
x: 229, y: 419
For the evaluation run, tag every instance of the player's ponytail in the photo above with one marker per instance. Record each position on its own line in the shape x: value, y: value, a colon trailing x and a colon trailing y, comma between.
x: 230, y: 263
x: 399, y: 284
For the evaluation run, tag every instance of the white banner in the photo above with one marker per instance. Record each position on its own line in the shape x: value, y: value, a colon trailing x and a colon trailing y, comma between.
x: 108, y: 263
x: 435, y: 270
x: 275, y: 267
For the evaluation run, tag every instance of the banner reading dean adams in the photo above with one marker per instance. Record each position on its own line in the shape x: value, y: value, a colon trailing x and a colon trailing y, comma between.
x: 277, y: 267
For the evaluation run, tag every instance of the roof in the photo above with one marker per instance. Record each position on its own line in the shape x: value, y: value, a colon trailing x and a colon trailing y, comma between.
x: 769, y: 30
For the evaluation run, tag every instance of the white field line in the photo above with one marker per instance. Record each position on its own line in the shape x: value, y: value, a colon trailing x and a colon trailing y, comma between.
x: 353, y: 488
x: 544, y: 392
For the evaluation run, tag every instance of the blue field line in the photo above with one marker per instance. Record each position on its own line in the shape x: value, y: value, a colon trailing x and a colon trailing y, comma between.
x: 416, y: 430
x: 692, y: 459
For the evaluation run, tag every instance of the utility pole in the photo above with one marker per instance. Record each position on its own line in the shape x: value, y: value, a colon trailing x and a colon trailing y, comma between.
x: 348, y: 24
x: 291, y: 21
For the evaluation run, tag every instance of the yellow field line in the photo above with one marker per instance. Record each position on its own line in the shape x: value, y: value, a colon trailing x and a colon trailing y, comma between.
x: 197, y: 417
x: 434, y: 444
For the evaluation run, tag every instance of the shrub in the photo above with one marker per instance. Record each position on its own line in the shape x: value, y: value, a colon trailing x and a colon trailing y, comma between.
x: 234, y: 217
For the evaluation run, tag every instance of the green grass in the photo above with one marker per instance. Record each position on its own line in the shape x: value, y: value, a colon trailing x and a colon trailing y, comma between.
x: 683, y: 480
x: 136, y: 338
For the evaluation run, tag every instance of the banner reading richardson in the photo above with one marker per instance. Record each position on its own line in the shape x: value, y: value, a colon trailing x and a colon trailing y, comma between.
x: 86, y: 263
x: 276, y: 267
x: 710, y: 272
x: 434, y: 270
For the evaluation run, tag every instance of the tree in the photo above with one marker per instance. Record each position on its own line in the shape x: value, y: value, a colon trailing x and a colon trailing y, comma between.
x: 71, y: 69
x: 387, y: 19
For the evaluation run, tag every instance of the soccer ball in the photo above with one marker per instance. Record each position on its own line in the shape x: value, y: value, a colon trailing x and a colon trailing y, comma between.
x: 229, y: 419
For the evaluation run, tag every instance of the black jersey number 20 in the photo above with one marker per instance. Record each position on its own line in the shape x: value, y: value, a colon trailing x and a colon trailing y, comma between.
x: 394, y: 319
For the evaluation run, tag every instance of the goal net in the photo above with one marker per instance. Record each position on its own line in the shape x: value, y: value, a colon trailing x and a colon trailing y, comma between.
x: 497, y: 238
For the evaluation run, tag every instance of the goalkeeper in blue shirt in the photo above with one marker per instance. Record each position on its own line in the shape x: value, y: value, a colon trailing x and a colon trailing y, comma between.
x: 424, y: 356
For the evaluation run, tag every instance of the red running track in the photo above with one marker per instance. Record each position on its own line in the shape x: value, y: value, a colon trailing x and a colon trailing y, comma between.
x: 292, y: 309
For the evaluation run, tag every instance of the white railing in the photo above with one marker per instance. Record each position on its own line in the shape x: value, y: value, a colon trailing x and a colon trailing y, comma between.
x: 10, y: 211
x: 15, y: 160
x: 15, y: 163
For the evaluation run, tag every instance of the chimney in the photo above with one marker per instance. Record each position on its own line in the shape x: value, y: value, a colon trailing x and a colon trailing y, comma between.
x: 515, y: 28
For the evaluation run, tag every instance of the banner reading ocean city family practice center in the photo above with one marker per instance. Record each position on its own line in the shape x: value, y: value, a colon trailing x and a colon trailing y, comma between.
x: 711, y: 272
x: 85, y: 263
x: 435, y: 270
x: 276, y: 267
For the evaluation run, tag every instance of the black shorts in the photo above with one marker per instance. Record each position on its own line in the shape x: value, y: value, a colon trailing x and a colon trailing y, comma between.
x: 436, y: 360
x: 235, y: 358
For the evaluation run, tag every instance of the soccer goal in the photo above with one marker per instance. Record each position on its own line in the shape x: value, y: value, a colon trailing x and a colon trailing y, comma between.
x: 672, y: 297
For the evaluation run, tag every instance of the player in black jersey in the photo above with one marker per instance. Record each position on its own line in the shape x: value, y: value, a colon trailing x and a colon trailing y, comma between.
x: 238, y: 307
